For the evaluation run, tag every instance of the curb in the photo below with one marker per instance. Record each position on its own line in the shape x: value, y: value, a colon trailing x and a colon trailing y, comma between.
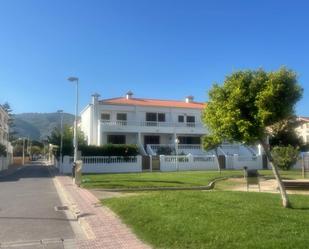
x: 210, y: 186
x: 73, y: 208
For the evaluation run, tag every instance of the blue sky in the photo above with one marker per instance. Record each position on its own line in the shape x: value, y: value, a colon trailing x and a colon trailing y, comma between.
x: 156, y: 48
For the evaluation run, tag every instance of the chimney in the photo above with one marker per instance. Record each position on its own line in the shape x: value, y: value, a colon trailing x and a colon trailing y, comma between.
x: 129, y: 95
x: 95, y: 98
x: 189, y: 99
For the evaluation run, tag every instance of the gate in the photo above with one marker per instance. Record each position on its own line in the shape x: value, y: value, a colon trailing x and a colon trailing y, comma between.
x: 155, y: 162
x: 146, y: 163
x: 150, y: 163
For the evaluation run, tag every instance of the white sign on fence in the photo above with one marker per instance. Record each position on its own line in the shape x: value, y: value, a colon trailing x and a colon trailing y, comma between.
x: 190, y: 162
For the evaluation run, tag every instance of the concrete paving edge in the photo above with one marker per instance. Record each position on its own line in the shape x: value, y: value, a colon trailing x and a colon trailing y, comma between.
x: 68, y: 201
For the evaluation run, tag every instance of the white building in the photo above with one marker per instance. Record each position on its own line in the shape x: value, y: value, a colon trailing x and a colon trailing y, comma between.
x: 4, y: 127
x: 303, y: 129
x: 128, y: 120
x: 4, y: 139
x: 149, y: 123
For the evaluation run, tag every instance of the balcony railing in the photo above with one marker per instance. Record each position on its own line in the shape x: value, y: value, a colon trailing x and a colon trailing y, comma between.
x: 151, y: 124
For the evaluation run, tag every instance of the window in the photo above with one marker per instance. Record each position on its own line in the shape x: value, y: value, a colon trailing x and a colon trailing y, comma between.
x: 161, y: 117
x: 181, y: 119
x: 122, y: 116
x: 116, y: 139
x: 190, y: 119
x: 105, y: 116
x: 189, y: 140
x: 151, y: 116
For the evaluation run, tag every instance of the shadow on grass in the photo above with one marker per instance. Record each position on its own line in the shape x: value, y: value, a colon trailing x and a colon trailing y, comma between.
x: 146, y: 181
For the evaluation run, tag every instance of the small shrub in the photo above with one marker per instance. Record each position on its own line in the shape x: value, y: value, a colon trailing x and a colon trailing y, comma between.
x: 285, y: 157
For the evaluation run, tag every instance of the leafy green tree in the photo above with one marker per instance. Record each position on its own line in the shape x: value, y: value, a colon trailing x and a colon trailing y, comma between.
x: 6, y: 106
x: 2, y: 150
x: 283, y: 133
x: 212, y: 143
x: 67, y: 147
x: 285, y: 156
x: 248, y: 104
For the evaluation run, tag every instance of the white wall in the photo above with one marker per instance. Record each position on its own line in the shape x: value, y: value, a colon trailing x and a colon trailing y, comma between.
x: 100, y: 165
x: 86, y: 124
x: 183, y: 163
x: 239, y: 162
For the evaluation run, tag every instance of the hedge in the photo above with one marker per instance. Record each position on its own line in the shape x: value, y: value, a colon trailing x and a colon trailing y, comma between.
x: 109, y: 150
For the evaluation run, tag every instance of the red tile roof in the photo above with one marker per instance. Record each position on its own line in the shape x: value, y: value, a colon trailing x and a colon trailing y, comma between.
x: 152, y: 102
x: 306, y: 119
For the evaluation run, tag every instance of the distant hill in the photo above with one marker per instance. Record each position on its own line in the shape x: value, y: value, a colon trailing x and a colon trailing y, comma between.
x: 39, y: 125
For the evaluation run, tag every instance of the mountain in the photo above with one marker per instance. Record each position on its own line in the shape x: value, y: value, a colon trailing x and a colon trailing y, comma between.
x: 39, y: 125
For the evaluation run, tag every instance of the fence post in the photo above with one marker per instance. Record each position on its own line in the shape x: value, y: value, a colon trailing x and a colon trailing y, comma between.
x: 236, y: 162
x: 139, y: 162
x: 191, y: 161
x: 150, y: 162
x: 162, y: 161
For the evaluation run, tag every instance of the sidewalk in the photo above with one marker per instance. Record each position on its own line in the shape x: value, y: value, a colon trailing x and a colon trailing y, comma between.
x: 103, y: 228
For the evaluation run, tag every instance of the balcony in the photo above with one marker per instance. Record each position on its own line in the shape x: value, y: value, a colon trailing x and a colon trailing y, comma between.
x: 153, y: 126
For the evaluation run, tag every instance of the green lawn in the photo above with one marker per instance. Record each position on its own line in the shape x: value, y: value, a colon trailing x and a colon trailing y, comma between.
x: 214, y: 219
x: 166, y: 179
x: 154, y: 179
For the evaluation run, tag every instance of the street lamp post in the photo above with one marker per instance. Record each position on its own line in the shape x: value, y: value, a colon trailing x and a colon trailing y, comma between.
x: 23, y: 160
x: 61, y: 133
x: 75, y: 79
x: 176, y: 151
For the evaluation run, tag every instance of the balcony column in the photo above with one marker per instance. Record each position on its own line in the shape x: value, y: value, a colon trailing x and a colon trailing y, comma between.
x: 174, y: 138
x: 99, y: 135
x: 139, y: 138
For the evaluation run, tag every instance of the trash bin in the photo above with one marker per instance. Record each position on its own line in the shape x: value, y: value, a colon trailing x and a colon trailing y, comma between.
x: 251, y: 177
x: 73, y: 169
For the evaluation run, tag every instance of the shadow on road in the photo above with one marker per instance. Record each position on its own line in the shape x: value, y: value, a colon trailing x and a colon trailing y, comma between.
x: 33, y: 170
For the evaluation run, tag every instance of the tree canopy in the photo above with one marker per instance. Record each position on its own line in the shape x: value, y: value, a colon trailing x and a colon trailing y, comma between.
x: 247, y: 107
x: 250, y: 102
x: 67, y: 149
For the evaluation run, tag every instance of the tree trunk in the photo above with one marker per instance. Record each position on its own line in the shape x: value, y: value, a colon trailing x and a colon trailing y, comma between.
x: 217, y: 156
x: 284, y: 196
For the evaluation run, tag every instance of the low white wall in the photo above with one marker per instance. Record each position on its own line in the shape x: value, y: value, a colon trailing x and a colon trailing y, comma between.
x: 239, y: 162
x: 104, y: 164
x: 302, y: 161
x: 190, y: 162
x: 4, y: 163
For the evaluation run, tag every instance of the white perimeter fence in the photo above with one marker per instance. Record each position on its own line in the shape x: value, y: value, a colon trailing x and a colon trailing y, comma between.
x: 167, y: 163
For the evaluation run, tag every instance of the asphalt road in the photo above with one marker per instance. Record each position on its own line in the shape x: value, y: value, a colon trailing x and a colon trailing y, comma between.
x: 28, y: 199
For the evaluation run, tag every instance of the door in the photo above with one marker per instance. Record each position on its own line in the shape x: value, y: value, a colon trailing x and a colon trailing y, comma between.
x: 151, y: 140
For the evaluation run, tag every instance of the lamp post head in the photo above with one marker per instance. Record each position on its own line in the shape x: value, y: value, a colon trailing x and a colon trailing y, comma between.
x: 73, y: 79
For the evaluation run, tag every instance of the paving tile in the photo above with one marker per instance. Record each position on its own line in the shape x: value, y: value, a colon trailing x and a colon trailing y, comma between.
x: 107, y: 228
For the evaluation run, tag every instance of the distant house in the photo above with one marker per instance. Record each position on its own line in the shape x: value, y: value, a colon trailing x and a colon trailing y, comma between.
x: 4, y: 127
x: 148, y: 123
x: 4, y: 138
x: 303, y: 129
